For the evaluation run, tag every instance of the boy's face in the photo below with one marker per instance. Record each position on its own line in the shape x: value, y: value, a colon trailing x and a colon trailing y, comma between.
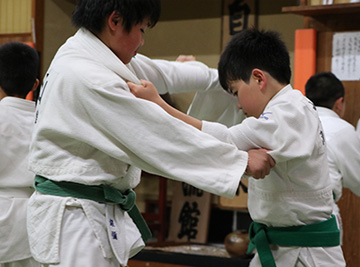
x: 125, y: 44
x: 250, y: 98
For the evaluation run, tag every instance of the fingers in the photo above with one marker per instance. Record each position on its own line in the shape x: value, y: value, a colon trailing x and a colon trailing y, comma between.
x: 259, y: 163
x: 134, y: 88
x: 272, y: 162
x: 270, y: 159
x: 260, y: 174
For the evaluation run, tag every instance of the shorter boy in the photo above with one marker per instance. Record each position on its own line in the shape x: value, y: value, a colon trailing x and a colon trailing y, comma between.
x: 19, y: 66
x: 292, y: 207
x: 327, y: 93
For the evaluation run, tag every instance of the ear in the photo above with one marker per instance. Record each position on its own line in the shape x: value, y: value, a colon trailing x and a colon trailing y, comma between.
x: 36, y: 84
x: 339, y: 106
x: 113, y: 20
x: 260, y: 78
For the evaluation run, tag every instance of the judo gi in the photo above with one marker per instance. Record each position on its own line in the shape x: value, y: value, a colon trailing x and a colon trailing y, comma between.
x: 297, y: 191
x: 343, y: 153
x: 16, y: 126
x: 91, y: 130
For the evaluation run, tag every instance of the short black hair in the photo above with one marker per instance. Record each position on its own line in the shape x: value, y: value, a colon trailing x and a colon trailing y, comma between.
x: 19, y: 68
x: 250, y: 49
x: 91, y: 14
x: 323, y: 89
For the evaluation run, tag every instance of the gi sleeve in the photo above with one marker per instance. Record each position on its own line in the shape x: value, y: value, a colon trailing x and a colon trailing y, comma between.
x: 175, y: 77
x: 282, y: 129
x: 107, y: 117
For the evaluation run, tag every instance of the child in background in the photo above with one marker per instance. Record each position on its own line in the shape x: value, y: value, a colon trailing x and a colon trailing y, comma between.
x: 92, y: 137
x: 292, y: 207
x: 327, y: 93
x: 19, y: 67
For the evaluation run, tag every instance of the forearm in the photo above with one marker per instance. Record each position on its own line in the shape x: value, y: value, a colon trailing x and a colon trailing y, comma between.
x: 180, y: 115
x: 147, y: 91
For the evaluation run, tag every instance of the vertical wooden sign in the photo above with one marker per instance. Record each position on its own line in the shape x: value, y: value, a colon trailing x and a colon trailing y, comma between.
x: 237, y: 15
x: 239, y: 202
x: 190, y: 211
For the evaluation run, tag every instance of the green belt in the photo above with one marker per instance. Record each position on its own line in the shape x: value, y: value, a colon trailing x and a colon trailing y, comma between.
x: 98, y: 193
x: 321, y: 234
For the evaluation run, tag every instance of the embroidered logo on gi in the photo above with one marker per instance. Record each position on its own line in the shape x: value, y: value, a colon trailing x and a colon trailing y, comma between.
x: 262, y: 116
x: 114, y: 235
x: 111, y: 222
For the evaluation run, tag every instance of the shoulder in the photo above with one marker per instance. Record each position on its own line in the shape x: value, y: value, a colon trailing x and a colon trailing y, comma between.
x: 291, y: 105
x: 82, y: 70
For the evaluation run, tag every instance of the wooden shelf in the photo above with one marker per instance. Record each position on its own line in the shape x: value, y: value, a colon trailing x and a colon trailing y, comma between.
x: 324, y: 10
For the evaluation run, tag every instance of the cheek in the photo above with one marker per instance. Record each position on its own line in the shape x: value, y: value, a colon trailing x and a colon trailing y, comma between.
x: 136, y: 40
x: 242, y: 98
x: 247, y: 102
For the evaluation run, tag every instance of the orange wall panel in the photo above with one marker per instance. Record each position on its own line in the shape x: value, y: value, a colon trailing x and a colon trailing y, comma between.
x: 304, y: 57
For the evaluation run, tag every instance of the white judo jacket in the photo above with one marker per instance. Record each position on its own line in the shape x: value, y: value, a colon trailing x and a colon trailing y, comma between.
x: 16, y: 126
x: 343, y: 146
x: 90, y: 129
x: 298, y: 190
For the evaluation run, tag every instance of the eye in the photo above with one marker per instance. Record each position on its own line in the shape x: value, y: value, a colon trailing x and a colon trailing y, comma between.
x: 142, y: 31
x: 235, y: 93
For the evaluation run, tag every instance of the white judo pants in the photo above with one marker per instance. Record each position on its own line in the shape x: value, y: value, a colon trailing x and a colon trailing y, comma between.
x: 78, y: 245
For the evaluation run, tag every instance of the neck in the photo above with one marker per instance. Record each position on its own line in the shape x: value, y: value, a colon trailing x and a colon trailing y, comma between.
x: 274, y: 87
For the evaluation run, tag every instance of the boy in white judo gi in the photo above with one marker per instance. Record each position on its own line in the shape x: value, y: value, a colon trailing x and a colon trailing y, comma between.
x: 92, y: 137
x: 292, y: 207
x: 327, y: 93
x: 19, y: 68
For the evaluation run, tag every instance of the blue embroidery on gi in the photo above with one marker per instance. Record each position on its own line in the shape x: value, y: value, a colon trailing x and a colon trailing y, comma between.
x: 111, y: 223
x: 262, y: 116
x: 114, y: 235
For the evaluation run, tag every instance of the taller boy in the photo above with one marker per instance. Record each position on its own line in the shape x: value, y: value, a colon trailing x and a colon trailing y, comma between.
x: 92, y: 137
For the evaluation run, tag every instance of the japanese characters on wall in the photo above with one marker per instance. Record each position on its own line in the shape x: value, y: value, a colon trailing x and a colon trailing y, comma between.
x: 190, y: 213
x: 238, y: 15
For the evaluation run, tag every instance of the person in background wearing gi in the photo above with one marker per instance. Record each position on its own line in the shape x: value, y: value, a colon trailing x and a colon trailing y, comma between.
x: 19, y: 68
x: 327, y: 93
x: 92, y: 137
x: 291, y: 208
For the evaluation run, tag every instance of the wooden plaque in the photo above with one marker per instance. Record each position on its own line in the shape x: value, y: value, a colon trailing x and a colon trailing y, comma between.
x: 239, y: 202
x: 190, y: 211
x: 237, y: 15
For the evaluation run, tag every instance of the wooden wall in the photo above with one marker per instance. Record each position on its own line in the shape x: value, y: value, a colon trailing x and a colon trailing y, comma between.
x: 15, y: 16
x: 15, y: 20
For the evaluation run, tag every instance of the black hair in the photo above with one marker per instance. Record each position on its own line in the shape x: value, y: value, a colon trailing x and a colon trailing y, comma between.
x: 19, y: 68
x: 250, y: 49
x: 91, y: 14
x: 323, y: 89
